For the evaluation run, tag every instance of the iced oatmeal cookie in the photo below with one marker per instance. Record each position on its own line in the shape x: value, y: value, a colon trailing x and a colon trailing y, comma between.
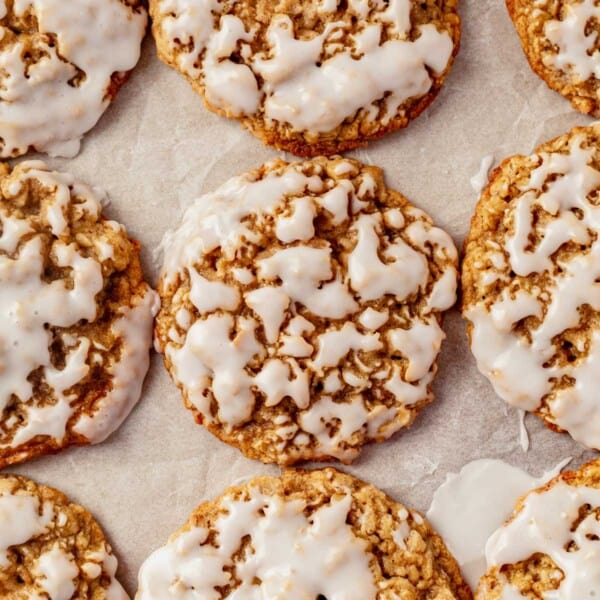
x: 301, y: 309
x: 316, y: 77
x: 61, y: 64
x: 51, y: 548
x: 549, y: 548
x: 75, y: 315
x: 562, y: 44
x: 530, y: 283
x: 306, y: 534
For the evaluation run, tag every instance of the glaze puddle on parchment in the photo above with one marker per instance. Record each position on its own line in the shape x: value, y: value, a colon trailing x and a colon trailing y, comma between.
x: 471, y: 505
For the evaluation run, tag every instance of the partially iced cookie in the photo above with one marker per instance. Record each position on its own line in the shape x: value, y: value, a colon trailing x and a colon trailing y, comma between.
x: 314, y: 77
x: 51, y: 548
x: 306, y: 534
x: 301, y: 309
x: 75, y: 315
x: 560, y: 40
x: 61, y: 64
x: 549, y: 548
x: 530, y: 283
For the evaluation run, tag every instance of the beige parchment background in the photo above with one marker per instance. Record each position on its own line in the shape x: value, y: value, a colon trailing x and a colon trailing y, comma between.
x: 157, y: 149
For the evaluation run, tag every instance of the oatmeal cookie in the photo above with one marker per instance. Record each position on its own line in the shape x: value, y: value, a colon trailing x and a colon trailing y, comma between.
x: 530, y: 283
x: 549, y: 548
x: 301, y: 309
x: 562, y: 44
x: 51, y: 548
x: 75, y: 315
x: 61, y: 63
x: 311, y: 78
x: 306, y: 534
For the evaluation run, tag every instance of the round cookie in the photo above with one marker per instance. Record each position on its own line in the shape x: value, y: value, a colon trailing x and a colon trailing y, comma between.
x: 549, y: 548
x: 61, y: 63
x: 306, y: 534
x: 311, y: 78
x: 75, y: 315
x: 560, y: 40
x: 529, y: 283
x: 51, y: 548
x: 301, y: 309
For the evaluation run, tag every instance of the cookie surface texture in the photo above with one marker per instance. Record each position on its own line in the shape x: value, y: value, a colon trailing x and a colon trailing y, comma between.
x: 561, y: 42
x: 530, y: 283
x: 549, y: 548
x: 301, y: 309
x: 75, y: 315
x: 50, y: 548
x: 306, y: 534
x: 313, y: 78
x: 61, y: 63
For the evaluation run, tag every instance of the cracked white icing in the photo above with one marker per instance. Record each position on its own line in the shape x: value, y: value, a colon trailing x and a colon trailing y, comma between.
x: 55, y: 571
x: 574, y: 41
x: 31, y: 303
x: 312, y: 313
x: 560, y: 522
x: 556, y: 208
x: 312, y: 84
x: 40, y: 106
x: 289, y: 554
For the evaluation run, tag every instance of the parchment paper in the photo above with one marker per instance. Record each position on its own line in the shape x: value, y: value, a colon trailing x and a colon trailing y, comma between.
x: 157, y: 148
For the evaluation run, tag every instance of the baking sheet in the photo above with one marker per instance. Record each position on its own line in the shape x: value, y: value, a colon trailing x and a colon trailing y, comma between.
x: 157, y: 148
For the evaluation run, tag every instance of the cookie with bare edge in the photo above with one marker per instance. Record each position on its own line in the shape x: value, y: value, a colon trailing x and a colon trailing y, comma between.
x: 549, y: 547
x: 301, y: 309
x: 75, y: 315
x: 61, y: 64
x: 315, y: 77
x: 530, y: 283
x: 560, y: 40
x: 306, y: 534
x: 50, y: 547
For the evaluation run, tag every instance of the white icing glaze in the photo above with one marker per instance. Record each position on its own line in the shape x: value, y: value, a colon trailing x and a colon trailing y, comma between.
x: 207, y: 295
x: 55, y: 570
x: 523, y: 433
x: 480, y: 178
x: 576, y: 53
x: 371, y: 278
x: 298, y: 309
x: 513, y: 363
x: 550, y: 523
x: 294, y: 556
x: 373, y: 319
x: 134, y: 329
x: 470, y: 506
x: 420, y: 345
x: 20, y: 520
x: 335, y: 345
x: 38, y: 106
x: 305, y: 83
x: 29, y: 304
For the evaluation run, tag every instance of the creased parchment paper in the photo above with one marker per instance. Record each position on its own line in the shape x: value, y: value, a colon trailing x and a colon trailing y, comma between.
x: 157, y: 148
